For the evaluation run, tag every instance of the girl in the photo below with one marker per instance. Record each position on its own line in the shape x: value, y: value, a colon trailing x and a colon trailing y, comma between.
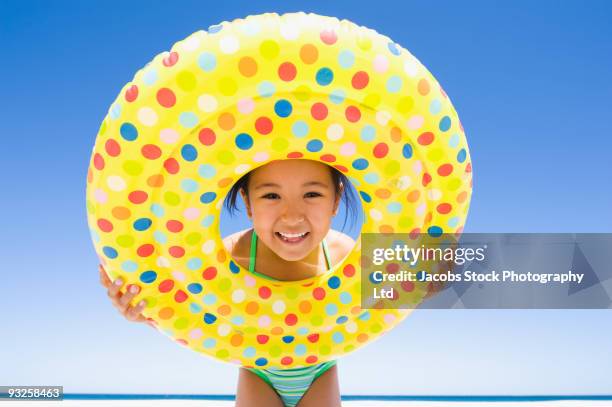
x: 291, y: 204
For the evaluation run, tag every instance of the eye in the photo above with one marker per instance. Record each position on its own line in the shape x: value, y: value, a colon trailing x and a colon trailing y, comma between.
x: 312, y: 194
x: 271, y: 195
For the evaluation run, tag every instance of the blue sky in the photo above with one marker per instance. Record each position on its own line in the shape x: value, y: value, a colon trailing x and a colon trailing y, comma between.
x: 530, y: 81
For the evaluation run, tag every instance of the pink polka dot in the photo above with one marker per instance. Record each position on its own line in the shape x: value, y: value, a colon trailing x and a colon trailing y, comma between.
x: 169, y: 136
x: 246, y: 106
x: 381, y: 63
x: 328, y: 36
x: 100, y: 196
x: 191, y: 213
x: 171, y: 59
x: 348, y: 149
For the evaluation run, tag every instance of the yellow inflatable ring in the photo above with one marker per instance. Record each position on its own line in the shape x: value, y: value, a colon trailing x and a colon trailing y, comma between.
x: 225, y: 101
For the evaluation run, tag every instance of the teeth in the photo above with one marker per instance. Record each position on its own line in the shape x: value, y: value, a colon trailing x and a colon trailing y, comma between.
x: 292, y: 235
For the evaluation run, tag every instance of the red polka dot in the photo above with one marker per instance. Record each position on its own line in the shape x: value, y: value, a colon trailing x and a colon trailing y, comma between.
x: 176, y: 251
x: 98, y: 162
x: 328, y: 158
x: 131, y: 93
x: 209, y: 273
x: 341, y: 168
x: 262, y: 339
x: 265, y: 292
x: 166, y: 97
x: 287, y: 360
x: 145, y: 250
x: 180, y: 296
x: 426, y: 139
x: 319, y: 111
x: 407, y: 286
x: 445, y: 170
x: 349, y: 270
x: 353, y: 114
x: 105, y: 225
x: 328, y: 37
x: 426, y: 179
x: 207, y: 136
x: 468, y: 168
x: 174, y: 226
x: 171, y: 165
x: 151, y: 151
x: 392, y: 268
x: 112, y: 148
x: 166, y: 286
x: 291, y: 319
x: 444, y: 208
x: 182, y: 342
x: 311, y: 359
x: 287, y: 71
x: 263, y: 125
x: 171, y: 59
x: 312, y: 338
x: 295, y: 154
x: 138, y: 197
x: 380, y: 150
x: 360, y: 80
x: 318, y: 293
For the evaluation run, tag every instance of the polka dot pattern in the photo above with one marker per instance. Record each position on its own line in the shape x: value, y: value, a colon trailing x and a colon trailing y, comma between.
x: 232, y: 98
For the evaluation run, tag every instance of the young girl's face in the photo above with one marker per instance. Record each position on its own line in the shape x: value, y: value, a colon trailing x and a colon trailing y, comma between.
x: 291, y: 204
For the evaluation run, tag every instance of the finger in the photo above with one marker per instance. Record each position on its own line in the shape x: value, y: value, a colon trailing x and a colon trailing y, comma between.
x: 113, y: 290
x: 135, y: 313
x: 129, y: 295
x: 104, y: 280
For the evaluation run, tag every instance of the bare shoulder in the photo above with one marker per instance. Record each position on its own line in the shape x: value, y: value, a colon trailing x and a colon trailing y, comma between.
x: 340, y: 245
x: 238, y: 243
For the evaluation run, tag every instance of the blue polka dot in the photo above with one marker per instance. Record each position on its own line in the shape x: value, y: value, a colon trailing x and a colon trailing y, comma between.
x: 142, y: 224
x: 393, y: 48
x: 148, y: 277
x: 249, y: 352
x: 209, y: 299
x: 365, y: 316
x: 208, y: 197
x: 345, y: 298
x: 288, y: 339
x: 208, y: 220
x: 337, y: 96
x: 445, y: 123
x: 195, y: 288
x: 213, y: 29
x: 195, y: 308
x: 367, y: 198
x: 325, y: 76
x: 394, y: 207
x: 244, y: 141
x: 189, y: 185
x: 109, y: 252
x: 115, y: 111
x: 237, y: 320
x: 453, y: 222
x: 261, y: 362
x: 234, y: 268
x: 160, y: 237
x: 346, y: 59
x: 300, y: 129
x: 407, y: 151
x: 302, y: 330
x: 454, y: 141
x: 157, y: 210
x: 194, y: 263
x: 314, y: 145
x: 368, y: 133
x: 128, y: 131
x: 94, y: 235
x: 150, y: 77
x: 342, y: 319
x: 209, y: 343
x: 283, y: 108
x: 360, y: 164
x: 434, y: 231
x: 189, y: 152
x: 209, y: 318
x: 371, y: 178
x: 188, y: 120
x: 461, y: 155
x: 435, y: 106
x: 331, y: 309
x: 333, y: 282
x: 207, y: 171
x: 266, y: 89
x: 300, y: 350
x: 374, y: 278
x: 337, y: 337
x: 207, y: 61
x: 394, y: 84
x: 129, y: 266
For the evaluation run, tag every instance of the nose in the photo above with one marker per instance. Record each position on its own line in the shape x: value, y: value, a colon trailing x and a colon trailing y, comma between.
x: 292, y: 214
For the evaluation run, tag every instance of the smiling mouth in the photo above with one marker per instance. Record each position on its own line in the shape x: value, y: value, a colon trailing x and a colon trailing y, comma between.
x: 292, y: 237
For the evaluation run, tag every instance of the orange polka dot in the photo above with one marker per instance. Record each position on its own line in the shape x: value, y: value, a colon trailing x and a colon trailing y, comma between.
x: 309, y: 54
x: 385, y: 229
x: 121, y: 212
x: 423, y: 87
x: 382, y: 193
x: 221, y: 256
x: 166, y: 313
x: 236, y: 340
x: 396, y: 134
x: 362, y: 338
x: 413, y: 196
x: 155, y: 181
x: 224, y: 310
x: 305, y: 307
x: 356, y: 310
x: 224, y: 182
x: 277, y: 330
x: 226, y: 121
x: 462, y: 197
x: 247, y: 66
x: 251, y: 308
x: 428, y: 218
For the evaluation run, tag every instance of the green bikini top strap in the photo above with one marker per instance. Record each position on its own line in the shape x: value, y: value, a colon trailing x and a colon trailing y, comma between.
x: 253, y: 254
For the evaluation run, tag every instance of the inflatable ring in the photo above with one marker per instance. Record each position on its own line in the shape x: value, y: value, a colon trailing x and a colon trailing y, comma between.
x: 223, y: 102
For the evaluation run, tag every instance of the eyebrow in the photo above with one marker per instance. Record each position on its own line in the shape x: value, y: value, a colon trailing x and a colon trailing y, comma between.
x: 306, y: 184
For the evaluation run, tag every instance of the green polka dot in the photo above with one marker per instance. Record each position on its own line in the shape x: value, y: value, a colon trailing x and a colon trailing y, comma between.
x: 225, y: 284
x: 132, y: 168
x: 172, y: 198
x: 291, y: 293
x: 316, y: 320
x: 193, y: 238
x: 269, y: 49
x: 226, y: 157
x: 125, y: 240
x: 405, y: 104
x: 150, y: 302
x: 349, y: 348
x: 435, y: 155
x: 222, y: 353
x: 181, y: 323
x: 186, y: 81
x: 392, y: 168
x: 376, y: 328
x: 90, y: 207
x: 280, y: 144
x: 364, y: 43
x: 275, y: 351
x: 302, y: 93
x: 251, y: 330
x: 453, y: 184
x: 405, y: 222
x: 102, y: 128
x: 325, y: 349
x: 227, y: 86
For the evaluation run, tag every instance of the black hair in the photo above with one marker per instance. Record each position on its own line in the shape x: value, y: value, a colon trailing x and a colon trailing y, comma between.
x: 339, y: 180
